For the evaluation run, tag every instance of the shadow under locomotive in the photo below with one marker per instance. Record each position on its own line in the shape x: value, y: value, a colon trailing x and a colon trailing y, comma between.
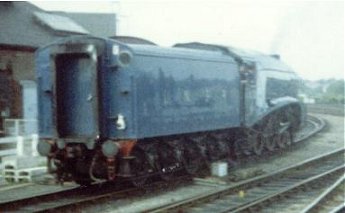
x: 108, y: 109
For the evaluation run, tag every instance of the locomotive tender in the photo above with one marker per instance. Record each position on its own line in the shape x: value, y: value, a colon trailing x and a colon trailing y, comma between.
x: 110, y: 110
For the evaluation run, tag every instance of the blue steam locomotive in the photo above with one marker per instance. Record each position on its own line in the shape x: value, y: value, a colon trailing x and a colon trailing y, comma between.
x: 112, y: 108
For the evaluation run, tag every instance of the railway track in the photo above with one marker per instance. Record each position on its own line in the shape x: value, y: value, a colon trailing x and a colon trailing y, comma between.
x: 330, y: 109
x: 6, y: 187
x: 74, y: 198
x: 264, y: 190
x: 331, y: 200
x: 294, y: 198
x: 313, y: 126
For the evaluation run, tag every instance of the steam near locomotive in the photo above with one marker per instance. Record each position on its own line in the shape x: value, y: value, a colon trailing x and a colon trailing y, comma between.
x: 109, y: 109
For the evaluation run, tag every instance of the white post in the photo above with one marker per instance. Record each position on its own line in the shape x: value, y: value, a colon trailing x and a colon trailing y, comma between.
x: 20, y: 145
x: 16, y: 126
x: 34, y: 145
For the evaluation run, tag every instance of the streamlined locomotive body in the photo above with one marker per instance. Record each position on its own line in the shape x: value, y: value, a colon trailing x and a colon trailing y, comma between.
x: 111, y: 110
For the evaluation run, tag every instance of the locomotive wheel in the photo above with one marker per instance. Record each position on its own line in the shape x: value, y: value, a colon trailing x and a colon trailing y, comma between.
x: 191, y: 158
x: 83, y: 182
x: 270, y: 142
x: 257, y: 143
x: 80, y: 172
x: 243, y: 146
x: 139, y: 167
x: 289, y: 139
x: 212, y: 149
x: 203, y: 149
x: 281, y: 140
x: 167, y: 161
x: 235, y: 150
x: 286, y: 137
x: 224, y: 147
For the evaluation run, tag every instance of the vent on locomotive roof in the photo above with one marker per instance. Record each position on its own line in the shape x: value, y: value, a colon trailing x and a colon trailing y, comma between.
x: 211, y: 47
x: 6, y: 3
x: 132, y: 40
x: 202, y: 46
x: 276, y: 56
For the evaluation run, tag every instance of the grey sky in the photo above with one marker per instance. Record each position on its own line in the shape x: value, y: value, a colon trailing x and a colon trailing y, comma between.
x: 309, y: 35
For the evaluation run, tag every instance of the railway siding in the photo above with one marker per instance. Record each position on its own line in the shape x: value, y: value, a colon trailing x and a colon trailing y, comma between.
x: 329, y: 109
x: 331, y: 200
x: 233, y: 198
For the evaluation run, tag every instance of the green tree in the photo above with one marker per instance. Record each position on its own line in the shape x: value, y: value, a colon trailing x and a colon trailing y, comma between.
x: 336, y: 88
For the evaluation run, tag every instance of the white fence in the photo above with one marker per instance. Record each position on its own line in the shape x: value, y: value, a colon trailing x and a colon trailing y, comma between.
x: 19, y: 146
x: 20, y: 127
x: 21, y: 138
x: 19, y: 160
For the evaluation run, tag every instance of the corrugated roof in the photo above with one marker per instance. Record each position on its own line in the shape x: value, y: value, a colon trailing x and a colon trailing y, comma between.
x: 59, y: 23
x: 21, y: 28
x: 98, y: 24
x: 18, y: 27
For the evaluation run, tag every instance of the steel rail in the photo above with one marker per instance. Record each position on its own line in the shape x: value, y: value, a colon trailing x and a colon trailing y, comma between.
x: 77, y: 203
x: 51, y: 200
x: 76, y: 197
x: 339, y: 208
x: 259, y: 203
x: 324, y: 196
x: 218, y: 193
x: 17, y: 203
x: 11, y: 187
x: 318, y: 123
